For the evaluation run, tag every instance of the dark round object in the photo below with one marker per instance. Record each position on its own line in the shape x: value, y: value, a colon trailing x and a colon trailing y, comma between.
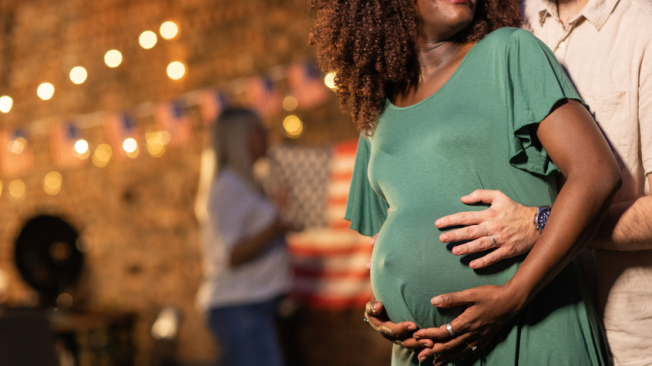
x: 47, y: 255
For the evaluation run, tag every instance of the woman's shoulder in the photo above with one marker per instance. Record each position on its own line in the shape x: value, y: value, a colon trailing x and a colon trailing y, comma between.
x: 508, y: 37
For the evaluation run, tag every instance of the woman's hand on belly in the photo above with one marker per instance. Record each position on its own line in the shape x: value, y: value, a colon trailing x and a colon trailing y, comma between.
x: 488, y: 309
x: 399, y: 333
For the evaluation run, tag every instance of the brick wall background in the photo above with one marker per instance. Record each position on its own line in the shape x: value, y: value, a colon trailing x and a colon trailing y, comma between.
x: 136, y: 215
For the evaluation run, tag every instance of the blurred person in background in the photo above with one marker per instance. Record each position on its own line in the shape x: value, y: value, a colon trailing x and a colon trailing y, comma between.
x: 246, y: 262
x: 606, y: 48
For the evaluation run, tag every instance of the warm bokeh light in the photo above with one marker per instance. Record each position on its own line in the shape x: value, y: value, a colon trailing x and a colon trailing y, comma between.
x: 129, y: 145
x: 156, y: 141
x: 113, y: 58
x: 293, y: 126
x: 290, y: 103
x: 16, y: 190
x: 6, y: 103
x: 81, y: 147
x: 45, y: 91
x: 52, y: 183
x: 78, y: 75
x: 102, y: 155
x: 329, y: 80
x: 169, y: 30
x: 17, y: 145
x: 176, y: 70
x: 147, y: 39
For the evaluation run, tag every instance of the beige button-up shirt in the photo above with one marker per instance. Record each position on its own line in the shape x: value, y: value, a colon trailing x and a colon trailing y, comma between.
x: 607, y: 52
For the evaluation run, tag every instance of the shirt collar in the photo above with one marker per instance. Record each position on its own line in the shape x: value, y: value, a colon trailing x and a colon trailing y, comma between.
x: 595, y: 11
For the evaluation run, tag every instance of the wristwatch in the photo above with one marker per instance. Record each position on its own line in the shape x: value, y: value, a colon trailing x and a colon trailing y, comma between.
x: 541, y: 217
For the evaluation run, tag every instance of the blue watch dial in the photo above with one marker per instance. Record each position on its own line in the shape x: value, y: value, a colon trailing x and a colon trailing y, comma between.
x: 542, y: 217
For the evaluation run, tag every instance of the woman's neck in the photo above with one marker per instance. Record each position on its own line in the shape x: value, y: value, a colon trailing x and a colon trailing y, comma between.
x: 434, y: 56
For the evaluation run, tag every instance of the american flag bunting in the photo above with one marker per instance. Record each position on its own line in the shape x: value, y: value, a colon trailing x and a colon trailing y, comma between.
x: 171, y: 117
x: 306, y: 85
x: 16, y: 154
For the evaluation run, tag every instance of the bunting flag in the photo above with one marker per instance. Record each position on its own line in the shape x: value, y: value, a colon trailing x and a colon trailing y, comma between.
x: 62, y: 146
x: 307, y: 85
x: 118, y: 127
x: 330, y: 262
x: 263, y: 96
x: 211, y: 104
x: 16, y: 154
x: 171, y: 117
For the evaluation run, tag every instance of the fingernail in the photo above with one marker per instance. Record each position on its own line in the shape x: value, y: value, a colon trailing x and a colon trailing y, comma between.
x: 368, y: 265
x: 436, y: 301
x: 372, y: 241
x: 444, y: 237
x: 438, y: 222
x: 411, y: 327
x: 422, y: 358
x: 415, y: 336
x: 458, y: 251
x: 473, y: 265
x: 375, y: 307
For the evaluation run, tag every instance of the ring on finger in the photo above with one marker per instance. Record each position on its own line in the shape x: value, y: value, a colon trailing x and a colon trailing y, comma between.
x: 449, y: 328
x: 493, y: 241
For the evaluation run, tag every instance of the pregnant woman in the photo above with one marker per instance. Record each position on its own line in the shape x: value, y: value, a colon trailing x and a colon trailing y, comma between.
x: 449, y: 101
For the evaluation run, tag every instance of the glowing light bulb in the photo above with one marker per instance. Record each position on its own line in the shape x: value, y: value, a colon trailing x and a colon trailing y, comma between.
x: 147, y: 39
x: 290, y: 103
x: 113, y: 58
x: 102, y: 155
x: 293, y: 126
x: 78, y: 75
x: 81, y: 146
x: 52, y: 183
x: 129, y: 145
x: 329, y: 80
x: 16, y: 190
x: 45, y: 91
x: 176, y: 70
x: 5, y: 104
x: 17, y: 145
x: 169, y: 30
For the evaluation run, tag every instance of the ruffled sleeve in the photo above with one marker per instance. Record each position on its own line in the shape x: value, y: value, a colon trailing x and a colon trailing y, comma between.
x: 535, y: 83
x: 365, y: 209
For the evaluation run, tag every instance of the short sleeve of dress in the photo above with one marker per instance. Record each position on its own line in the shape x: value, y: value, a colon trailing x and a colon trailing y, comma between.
x: 365, y: 209
x: 535, y: 83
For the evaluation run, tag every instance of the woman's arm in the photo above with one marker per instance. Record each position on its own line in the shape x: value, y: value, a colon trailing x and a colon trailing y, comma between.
x: 575, y: 144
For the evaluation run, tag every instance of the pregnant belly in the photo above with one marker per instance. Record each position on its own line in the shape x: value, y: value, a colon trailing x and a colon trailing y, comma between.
x: 410, y: 265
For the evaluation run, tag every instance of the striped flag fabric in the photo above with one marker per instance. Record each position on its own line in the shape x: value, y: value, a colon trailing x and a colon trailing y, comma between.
x: 172, y: 117
x: 211, y: 104
x: 16, y: 154
x: 62, y: 144
x: 306, y: 84
x: 263, y: 96
x: 118, y: 127
x: 329, y: 260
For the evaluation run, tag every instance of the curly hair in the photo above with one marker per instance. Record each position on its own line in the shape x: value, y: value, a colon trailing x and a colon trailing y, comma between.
x: 371, y: 46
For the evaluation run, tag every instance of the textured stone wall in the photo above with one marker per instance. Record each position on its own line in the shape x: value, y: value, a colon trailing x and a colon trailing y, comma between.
x: 136, y: 215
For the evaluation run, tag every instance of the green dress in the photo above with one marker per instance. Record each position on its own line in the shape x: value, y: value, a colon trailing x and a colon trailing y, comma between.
x: 476, y: 132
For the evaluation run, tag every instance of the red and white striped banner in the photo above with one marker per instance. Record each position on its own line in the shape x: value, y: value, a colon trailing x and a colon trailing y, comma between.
x: 307, y: 85
x: 171, y: 117
x: 62, y: 146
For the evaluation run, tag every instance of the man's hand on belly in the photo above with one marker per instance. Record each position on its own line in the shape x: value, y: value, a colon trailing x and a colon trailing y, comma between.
x: 509, y: 223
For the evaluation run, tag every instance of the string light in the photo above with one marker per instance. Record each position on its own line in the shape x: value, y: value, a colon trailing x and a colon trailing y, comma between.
x: 156, y: 141
x: 6, y: 103
x: 176, y: 70
x: 290, y: 103
x: 102, y: 155
x: 130, y: 146
x: 329, y: 80
x: 169, y: 30
x: 52, y: 183
x: 45, y: 91
x: 113, y: 58
x: 147, y: 39
x: 17, y: 145
x: 81, y: 146
x: 293, y: 126
x: 16, y: 190
x: 78, y: 75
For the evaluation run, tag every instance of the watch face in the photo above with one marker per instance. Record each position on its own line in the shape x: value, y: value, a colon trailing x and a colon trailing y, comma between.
x: 542, y: 218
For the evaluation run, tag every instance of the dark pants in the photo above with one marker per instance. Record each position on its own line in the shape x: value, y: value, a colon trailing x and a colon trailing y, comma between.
x: 247, y: 334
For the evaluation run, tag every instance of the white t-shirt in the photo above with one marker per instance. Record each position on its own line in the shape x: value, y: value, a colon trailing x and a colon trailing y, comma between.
x: 237, y: 211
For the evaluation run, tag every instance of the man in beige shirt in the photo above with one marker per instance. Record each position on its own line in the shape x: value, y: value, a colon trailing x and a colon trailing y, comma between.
x: 606, y: 48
